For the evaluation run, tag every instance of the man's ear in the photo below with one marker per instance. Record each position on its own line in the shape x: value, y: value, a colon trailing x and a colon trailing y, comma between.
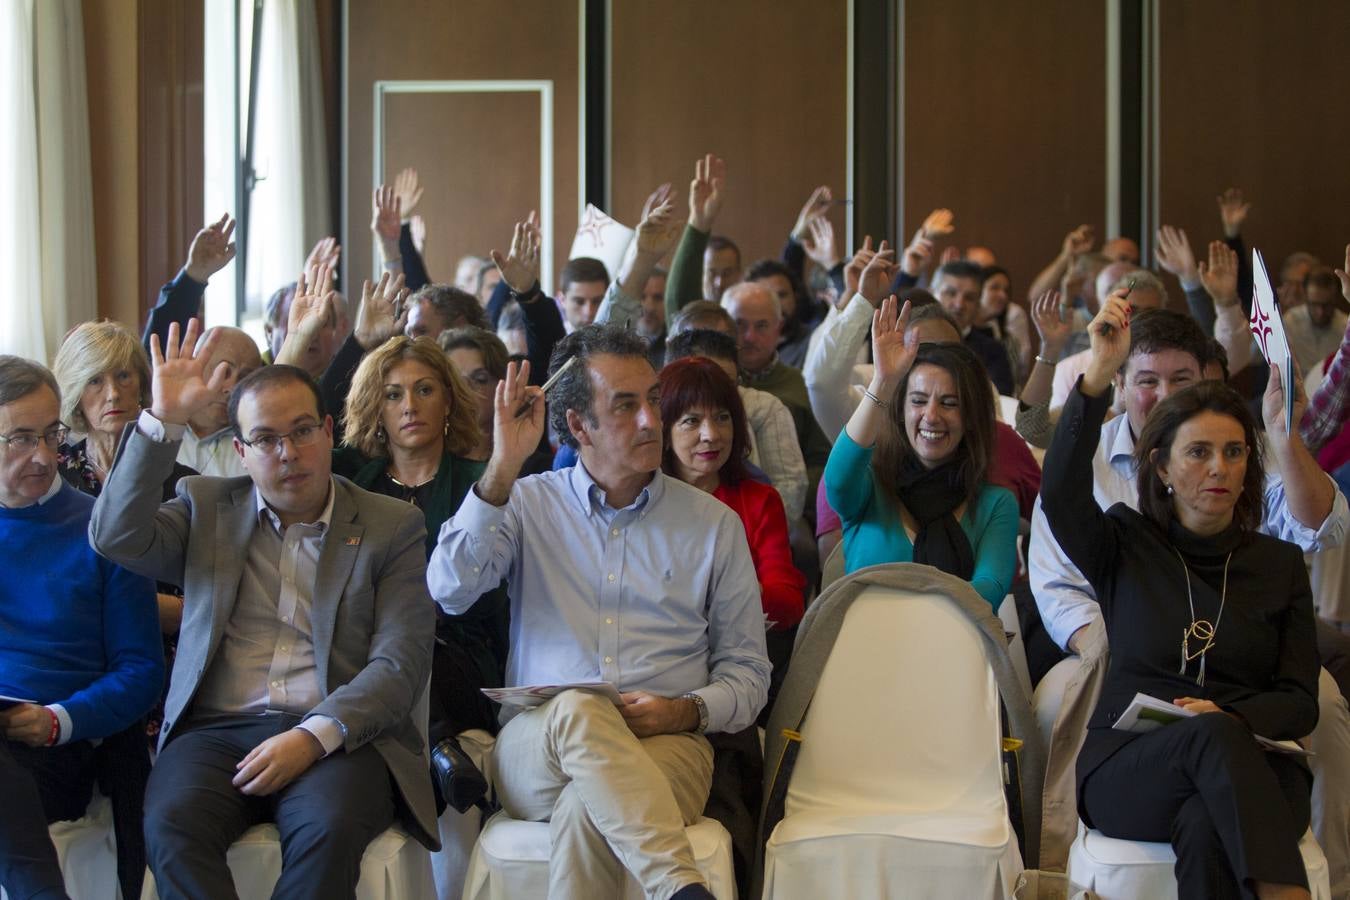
x: 238, y: 447
x: 576, y: 424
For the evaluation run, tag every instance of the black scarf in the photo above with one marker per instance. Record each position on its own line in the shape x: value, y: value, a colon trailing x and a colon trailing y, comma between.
x: 931, y: 496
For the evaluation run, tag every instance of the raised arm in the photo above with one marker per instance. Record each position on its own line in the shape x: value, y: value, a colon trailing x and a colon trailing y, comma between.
x: 656, y: 234
x: 520, y: 273
x: 894, y: 347
x: 386, y: 226
x: 412, y: 230
x: 1035, y: 422
x: 1076, y: 243
x: 314, y: 306
x: 685, y: 283
x: 181, y: 299
x: 1175, y: 256
x: 1220, y: 277
x: 834, y: 349
x: 1309, y: 492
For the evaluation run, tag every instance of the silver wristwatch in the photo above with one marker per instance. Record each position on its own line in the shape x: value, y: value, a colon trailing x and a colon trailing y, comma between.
x: 702, y: 711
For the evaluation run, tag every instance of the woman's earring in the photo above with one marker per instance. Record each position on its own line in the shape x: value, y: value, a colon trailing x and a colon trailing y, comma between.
x: 379, y: 434
x: 1169, y: 490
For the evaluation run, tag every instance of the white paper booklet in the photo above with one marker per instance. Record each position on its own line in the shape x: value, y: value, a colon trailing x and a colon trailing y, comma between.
x: 529, y: 696
x: 600, y: 237
x: 1268, y: 330
x: 1147, y: 713
x: 6, y: 702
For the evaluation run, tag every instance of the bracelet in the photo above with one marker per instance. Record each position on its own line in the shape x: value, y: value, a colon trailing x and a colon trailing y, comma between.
x: 1042, y: 359
x: 56, y: 728
x: 867, y: 392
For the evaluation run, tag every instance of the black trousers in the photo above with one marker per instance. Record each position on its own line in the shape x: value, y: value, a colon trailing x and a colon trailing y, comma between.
x: 39, y: 786
x: 326, y: 817
x: 1233, y: 813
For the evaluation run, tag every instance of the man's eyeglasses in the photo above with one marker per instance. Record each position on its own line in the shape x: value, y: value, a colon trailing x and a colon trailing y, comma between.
x: 27, y: 441
x: 270, y: 444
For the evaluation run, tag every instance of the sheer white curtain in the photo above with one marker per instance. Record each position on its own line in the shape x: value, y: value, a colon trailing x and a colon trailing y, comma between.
x: 289, y: 209
x: 46, y: 192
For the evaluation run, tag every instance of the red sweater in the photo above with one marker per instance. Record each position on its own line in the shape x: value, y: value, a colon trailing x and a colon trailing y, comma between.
x: 781, y: 586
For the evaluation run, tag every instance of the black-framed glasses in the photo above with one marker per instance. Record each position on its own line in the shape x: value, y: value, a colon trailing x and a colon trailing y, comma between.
x: 270, y: 444
x: 27, y: 441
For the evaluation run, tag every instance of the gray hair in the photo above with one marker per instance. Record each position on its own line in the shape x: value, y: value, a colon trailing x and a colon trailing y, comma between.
x: 19, y: 377
x: 91, y: 349
x: 1143, y: 280
x: 736, y: 291
x: 573, y: 389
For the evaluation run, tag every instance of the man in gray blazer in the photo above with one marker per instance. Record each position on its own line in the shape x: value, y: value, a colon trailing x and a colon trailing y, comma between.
x: 298, y: 692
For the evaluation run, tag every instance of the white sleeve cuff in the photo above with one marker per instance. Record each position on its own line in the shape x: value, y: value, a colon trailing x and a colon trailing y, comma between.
x: 327, y: 731
x: 63, y: 720
x: 155, y: 430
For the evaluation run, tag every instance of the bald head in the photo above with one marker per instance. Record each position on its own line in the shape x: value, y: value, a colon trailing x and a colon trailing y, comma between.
x: 1121, y: 249
x: 237, y: 351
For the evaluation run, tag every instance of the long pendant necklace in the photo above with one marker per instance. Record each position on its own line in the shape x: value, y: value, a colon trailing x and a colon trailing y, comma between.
x: 1202, y: 630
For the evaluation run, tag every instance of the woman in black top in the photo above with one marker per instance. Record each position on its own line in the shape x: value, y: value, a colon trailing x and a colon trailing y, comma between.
x: 1201, y: 611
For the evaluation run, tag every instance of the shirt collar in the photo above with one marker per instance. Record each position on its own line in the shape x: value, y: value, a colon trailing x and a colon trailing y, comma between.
x: 1118, y: 438
x: 590, y: 496
x: 763, y: 373
x: 265, y: 512
x: 52, y: 491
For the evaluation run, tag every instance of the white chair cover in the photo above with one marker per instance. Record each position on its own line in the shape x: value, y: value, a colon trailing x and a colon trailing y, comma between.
x: 459, y: 831
x: 898, y: 788
x: 395, y: 867
x: 510, y: 861
x: 1017, y: 651
x: 1125, y: 870
x: 87, y: 852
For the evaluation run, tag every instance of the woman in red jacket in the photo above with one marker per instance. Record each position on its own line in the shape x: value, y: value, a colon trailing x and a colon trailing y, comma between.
x: 706, y: 442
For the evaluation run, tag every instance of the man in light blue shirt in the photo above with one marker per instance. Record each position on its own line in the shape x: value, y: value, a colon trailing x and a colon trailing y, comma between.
x: 616, y: 573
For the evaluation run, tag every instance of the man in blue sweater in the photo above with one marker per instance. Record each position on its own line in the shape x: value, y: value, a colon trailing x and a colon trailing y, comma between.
x: 80, y: 655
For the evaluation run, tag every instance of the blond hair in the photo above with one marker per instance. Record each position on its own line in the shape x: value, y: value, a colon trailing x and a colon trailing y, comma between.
x: 365, y: 398
x: 91, y: 349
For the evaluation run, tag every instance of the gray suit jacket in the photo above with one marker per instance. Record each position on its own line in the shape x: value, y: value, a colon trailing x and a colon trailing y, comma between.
x: 373, y: 620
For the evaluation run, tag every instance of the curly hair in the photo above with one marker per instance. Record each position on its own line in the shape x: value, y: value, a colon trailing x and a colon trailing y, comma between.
x: 91, y: 349
x: 365, y: 398
x: 573, y: 390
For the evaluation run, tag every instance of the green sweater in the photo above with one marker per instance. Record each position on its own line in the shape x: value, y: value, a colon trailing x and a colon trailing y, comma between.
x: 685, y: 282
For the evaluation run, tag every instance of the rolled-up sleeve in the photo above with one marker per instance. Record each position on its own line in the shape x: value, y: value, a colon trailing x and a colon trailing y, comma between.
x: 1280, y: 522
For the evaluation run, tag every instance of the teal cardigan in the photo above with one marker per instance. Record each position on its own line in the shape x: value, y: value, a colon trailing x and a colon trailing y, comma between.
x: 874, y: 533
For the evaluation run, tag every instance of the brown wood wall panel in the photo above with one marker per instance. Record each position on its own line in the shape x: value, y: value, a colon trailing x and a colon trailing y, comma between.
x: 1004, y: 123
x: 461, y: 39
x: 1253, y: 94
x: 764, y: 86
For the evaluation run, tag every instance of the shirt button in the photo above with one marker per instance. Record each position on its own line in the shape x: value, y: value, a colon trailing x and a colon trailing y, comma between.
x: 492, y: 528
x: 609, y: 621
x: 609, y: 659
x: 276, y: 684
x: 475, y: 568
x: 286, y: 620
x: 614, y: 531
x: 283, y: 648
x: 611, y: 576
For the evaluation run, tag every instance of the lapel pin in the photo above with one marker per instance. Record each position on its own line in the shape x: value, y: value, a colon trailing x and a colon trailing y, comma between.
x: 353, y: 542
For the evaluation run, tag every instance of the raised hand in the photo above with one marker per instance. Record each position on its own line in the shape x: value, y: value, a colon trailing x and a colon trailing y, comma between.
x: 705, y: 191
x: 314, y: 306
x: 917, y: 255
x: 1272, y: 404
x: 658, y: 231
x: 819, y: 243
x: 326, y: 252
x: 1220, y: 275
x: 1050, y: 324
x: 1233, y: 211
x: 417, y: 226
x: 875, y: 282
x: 950, y: 254
x: 894, y: 344
x: 385, y: 214
x: 514, y: 437
x: 1109, y: 334
x: 180, y: 386
x: 663, y: 193
x: 853, y: 271
x: 211, y: 250
x: 520, y: 267
x: 1344, y: 275
x: 382, y: 314
x: 1078, y: 241
x: 816, y: 206
x: 938, y: 224
x: 407, y: 189
x: 1174, y: 254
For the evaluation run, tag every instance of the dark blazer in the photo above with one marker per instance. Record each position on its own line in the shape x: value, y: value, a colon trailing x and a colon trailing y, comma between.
x: 373, y: 619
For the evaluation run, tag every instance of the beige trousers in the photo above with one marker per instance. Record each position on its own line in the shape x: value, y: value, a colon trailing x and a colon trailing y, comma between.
x: 612, y: 801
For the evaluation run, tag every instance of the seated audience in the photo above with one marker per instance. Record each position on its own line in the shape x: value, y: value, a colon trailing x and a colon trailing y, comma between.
x: 1005, y: 320
x: 1145, y: 291
x: 181, y: 299
x: 1314, y: 327
x: 207, y: 444
x: 908, y: 473
x: 437, y: 307
x: 686, y: 650
x: 1232, y: 812
x: 581, y: 288
x: 306, y: 638
x: 798, y: 323
x: 957, y: 287
x: 80, y: 660
x: 527, y: 321
x: 706, y: 444
x: 651, y: 325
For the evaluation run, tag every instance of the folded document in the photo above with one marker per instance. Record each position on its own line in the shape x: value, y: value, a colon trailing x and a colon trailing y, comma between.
x: 1147, y: 713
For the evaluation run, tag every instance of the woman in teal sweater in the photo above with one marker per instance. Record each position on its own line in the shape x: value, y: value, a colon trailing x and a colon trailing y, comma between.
x: 908, y: 474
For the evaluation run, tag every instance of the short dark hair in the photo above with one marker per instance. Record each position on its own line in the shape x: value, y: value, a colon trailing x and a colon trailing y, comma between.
x: 933, y: 310
x: 959, y: 268
x: 573, y: 389
x: 1165, y: 329
x: 582, y: 268
x: 1160, y: 430
x: 700, y: 342
x: 722, y: 242
x: 456, y: 308
x: 990, y: 271
x: 976, y: 397
x: 1323, y: 277
x: 269, y: 377
x: 19, y: 377
x: 767, y: 268
x: 698, y: 382
x: 1216, y: 352
x: 485, y: 342
x: 702, y: 311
